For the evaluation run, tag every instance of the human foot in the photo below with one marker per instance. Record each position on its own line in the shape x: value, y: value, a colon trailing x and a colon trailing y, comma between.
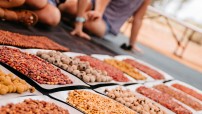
x: 137, y: 49
x: 26, y: 17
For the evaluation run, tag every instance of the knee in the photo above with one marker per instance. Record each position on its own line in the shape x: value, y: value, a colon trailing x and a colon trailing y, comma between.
x: 69, y: 6
x: 50, y: 16
x: 92, y: 27
x: 18, y: 3
x: 37, y: 4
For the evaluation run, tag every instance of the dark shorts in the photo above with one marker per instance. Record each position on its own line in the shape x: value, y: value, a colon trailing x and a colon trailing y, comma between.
x: 54, y: 3
x: 108, y: 26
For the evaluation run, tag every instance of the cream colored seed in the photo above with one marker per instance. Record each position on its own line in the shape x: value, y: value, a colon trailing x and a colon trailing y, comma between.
x: 92, y: 103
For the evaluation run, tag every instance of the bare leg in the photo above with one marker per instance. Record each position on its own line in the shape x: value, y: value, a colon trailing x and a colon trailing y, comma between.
x: 97, y: 27
x: 36, y: 4
x: 9, y: 14
x: 137, y: 22
x: 11, y: 4
x: 49, y: 15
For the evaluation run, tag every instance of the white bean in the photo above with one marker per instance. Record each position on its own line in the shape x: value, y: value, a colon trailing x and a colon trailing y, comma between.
x: 86, y: 78
x: 92, y: 79
x: 74, y: 67
x: 76, y: 72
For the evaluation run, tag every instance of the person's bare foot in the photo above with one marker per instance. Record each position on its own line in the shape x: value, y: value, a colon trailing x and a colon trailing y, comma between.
x: 137, y: 49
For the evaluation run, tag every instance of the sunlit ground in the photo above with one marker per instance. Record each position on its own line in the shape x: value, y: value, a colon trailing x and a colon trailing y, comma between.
x: 157, y: 36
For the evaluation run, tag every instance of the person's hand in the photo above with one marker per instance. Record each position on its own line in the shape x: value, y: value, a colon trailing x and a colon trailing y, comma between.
x: 93, y: 15
x: 79, y: 32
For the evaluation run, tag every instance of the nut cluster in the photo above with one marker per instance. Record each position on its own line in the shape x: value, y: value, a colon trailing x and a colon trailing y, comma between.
x: 113, y: 72
x: 91, y: 103
x: 33, y: 67
x: 129, y: 99
x: 79, y: 68
x: 11, y: 84
x: 19, y: 40
x: 127, y: 68
x: 30, y: 106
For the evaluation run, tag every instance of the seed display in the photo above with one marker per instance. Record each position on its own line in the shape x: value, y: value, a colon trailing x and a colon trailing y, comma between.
x: 91, y: 103
x: 12, y: 84
x: 33, y: 67
x: 113, y: 72
x: 188, y: 90
x: 129, y: 99
x: 125, y: 67
x: 163, y: 99
x: 151, y: 72
x: 25, y: 41
x: 81, y: 69
x: 180, y: 96
x: 30, y: 106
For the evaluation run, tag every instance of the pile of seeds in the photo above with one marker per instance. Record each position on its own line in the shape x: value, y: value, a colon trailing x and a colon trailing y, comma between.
x: 127, y: 68
x: 30, y: 106
x: 19, y: 40
x: 12, y: 84
x: 189, y: 101
x: 188, y: 90
x: 81, y: 69
x: 140, y: 105
x: 33, y: 67
x: 163, y: 99
x: 91, y: 103
x: 148, y: 70
x: 113, y: 72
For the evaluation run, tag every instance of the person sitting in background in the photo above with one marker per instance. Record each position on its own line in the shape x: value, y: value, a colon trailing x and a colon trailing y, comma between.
x: 106, y: 16
x: 44, y: 11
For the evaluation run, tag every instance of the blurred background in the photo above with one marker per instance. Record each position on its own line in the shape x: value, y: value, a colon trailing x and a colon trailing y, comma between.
x: 156, y: 33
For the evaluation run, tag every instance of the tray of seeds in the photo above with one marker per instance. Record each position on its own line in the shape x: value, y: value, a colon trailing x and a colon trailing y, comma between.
x: 133, y: 100
x: 184, y: 98
x: 186, y: 88
x: 35, y: 105
x: 42, y: 73
x: 149, y: 70
x: 70, y: 62
x: 25, y: 41
x: 12, y: 86
x: 117, y: 75
x: 128, y: 69
x: 190, y: 99
x: 90, y: 102
x: 169, y: 99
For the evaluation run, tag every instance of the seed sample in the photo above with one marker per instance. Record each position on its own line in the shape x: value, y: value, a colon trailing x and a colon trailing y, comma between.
x: 30, y: 106
x: 113, y: 72
x: 91, y: 103
x: 81, y: 69
x: 129, y: 99
x: 33, y: 67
